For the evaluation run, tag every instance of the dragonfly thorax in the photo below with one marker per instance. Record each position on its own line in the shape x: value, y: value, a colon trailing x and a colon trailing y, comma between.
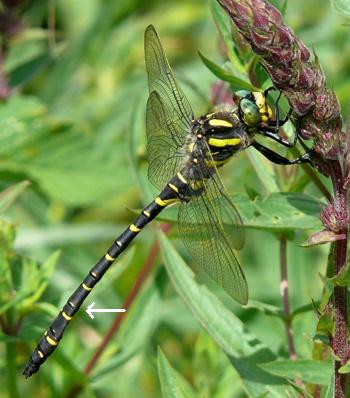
x: 225, y: 135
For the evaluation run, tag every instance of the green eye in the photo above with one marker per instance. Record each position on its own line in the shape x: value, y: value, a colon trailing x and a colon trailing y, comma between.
x: 242, y: 93
x: 250, y: 112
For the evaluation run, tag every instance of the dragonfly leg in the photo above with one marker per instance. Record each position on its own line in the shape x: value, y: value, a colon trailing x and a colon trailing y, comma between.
x: 278, y: 159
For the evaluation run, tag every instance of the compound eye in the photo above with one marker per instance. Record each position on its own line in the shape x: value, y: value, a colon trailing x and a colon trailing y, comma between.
x: 242, y: 93
x: 250, y: 112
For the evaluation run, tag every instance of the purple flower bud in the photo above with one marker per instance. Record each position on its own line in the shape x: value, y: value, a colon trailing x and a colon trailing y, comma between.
x: 292, y: 70
x: 334, y: 216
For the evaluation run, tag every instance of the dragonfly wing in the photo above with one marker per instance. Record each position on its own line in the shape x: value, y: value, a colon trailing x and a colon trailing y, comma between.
x: 164, y: 150
x: 169, y: 114
x: 202, y: 228
x: 161, y: 79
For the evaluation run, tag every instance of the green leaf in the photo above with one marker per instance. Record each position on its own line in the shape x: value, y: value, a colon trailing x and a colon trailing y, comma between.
x: 342, y: 7
x: 244, y: 350
x: 303, y: 309
x: 137, y: 145
x: 343, y: 278
x: 235, y: 82
x: 25, y: 72
x: 277, y: 212
x: 329, y: 392
x: 267, y: 309
x: 135, y: 332
x: 34, y: 279
x: 223, y: 23
x: 264, y: 170
x: 10, y: 194
x: 283, y: 8
x: 345, y: 368
x: 173, y: 385
x: 310, y: 371
x: 67, y: 363
x: 49, y: 151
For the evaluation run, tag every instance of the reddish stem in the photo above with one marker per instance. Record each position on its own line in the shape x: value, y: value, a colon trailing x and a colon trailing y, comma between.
x: 285, y: 297
x: 340, y: 341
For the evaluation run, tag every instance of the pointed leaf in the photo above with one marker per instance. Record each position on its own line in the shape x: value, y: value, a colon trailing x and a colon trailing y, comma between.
x: 35, y: 279
x: 345, y: 368
x: 267, y: 309
x: 276, y: 212
x: 322, y: 237
x: 172, y: 383
x: 264, y: 170
x: 310, y: 371
x: 244, y: 350
x: 342, y: 7
x: 223, y: 23
x: 343, y: 278
x: 235, y: 82
x: 137, y: 327
x: 10, y: 194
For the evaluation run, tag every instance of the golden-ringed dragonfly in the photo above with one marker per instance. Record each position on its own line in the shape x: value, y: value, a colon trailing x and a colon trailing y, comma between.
x: 184, y: 155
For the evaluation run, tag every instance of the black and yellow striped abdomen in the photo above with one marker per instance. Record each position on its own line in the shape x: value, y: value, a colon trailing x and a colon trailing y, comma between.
x: 54, y: 333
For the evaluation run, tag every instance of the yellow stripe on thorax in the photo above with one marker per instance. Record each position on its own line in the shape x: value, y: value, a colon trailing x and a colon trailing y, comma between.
x: 222, y: 142
x: 173, y: 187
x: 220, y: 123
x: 181, y: 178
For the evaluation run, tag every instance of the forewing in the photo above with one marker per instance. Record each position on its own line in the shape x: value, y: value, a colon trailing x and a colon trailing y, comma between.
x: 164, y: 147
x: 161, y: 79
x: 202, y: 228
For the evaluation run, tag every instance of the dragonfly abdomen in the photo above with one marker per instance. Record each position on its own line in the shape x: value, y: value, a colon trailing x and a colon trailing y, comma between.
x: 54, y: 333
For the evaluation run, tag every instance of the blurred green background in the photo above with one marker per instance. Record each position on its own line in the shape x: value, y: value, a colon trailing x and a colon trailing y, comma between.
x: 74, y: 126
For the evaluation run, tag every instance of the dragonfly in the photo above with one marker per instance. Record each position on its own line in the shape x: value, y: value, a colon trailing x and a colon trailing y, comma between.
x: 184, y: 156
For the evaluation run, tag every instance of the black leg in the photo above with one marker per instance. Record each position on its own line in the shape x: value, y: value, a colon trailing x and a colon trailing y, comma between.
x: 271, y: 130
x: 266, y: 92
x: 279, y: 123
x: 278, y: 159
x: 266, y: 132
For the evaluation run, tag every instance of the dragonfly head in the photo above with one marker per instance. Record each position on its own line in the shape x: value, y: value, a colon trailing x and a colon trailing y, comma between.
x: 253, y: 109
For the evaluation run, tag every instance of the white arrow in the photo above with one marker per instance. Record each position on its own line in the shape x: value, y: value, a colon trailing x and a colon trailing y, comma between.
x: 90, y: 309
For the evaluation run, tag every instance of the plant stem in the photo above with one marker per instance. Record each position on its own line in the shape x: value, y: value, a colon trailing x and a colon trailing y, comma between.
x: 285, y: 297
x: 340, y: 341
x: 51, y: 22
x: 141, y: 278
x: 11, y: 370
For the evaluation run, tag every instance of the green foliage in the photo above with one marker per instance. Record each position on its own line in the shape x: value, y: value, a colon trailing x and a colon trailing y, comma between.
x: 315, y: 372
x: 73, y: 160
x: 172, y: 384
